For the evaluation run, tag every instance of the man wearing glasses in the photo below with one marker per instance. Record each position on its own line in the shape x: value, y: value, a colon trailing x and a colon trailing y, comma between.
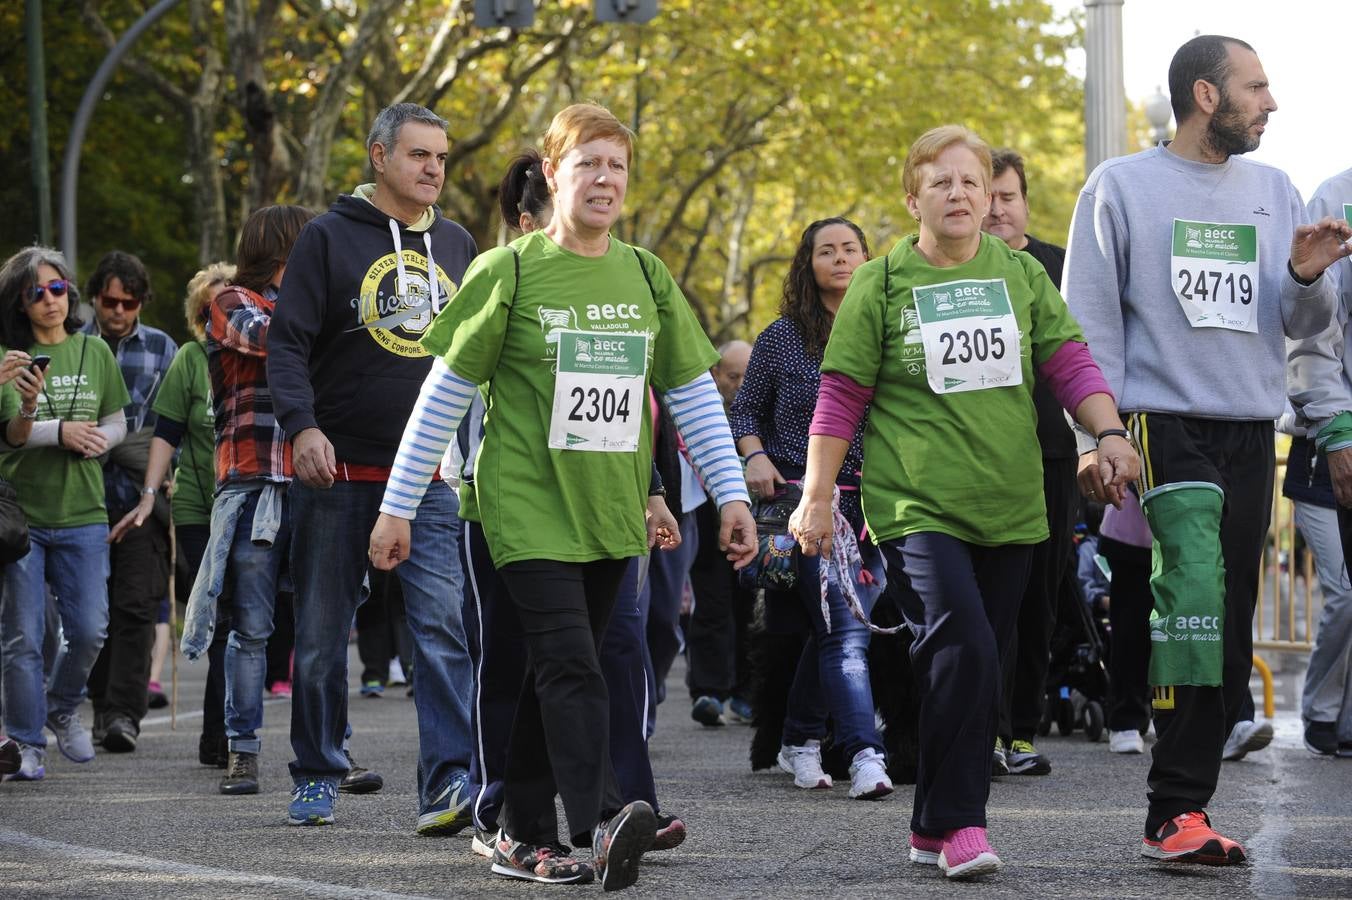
x: 139, y: 578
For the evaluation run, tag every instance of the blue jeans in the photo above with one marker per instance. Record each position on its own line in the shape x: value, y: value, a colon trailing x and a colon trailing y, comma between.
x: 251, y: 588
x: 75, y: 562
x: 832, y: 676
x: 328, y: 562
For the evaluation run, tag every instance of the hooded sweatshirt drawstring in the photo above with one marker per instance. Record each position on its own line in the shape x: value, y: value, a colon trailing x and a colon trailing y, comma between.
x: 432, y: 280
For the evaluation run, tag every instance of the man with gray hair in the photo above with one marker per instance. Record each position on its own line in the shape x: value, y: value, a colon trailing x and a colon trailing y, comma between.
x: 362, y: 284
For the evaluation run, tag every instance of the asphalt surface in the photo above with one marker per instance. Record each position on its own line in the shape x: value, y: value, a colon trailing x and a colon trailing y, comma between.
x: 151, y: 824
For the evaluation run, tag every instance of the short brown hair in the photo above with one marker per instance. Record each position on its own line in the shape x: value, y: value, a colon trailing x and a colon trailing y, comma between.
x: 199, y: 294
x: 265, y: 243
x: 929, y: 145
x: 581, y: 123
x: 1003, y: 160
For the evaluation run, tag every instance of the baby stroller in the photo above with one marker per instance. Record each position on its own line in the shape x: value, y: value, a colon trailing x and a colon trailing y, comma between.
x: 1077, y: 678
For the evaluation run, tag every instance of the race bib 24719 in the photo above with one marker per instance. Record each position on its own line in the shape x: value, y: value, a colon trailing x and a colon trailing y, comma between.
x: 1214, y: 271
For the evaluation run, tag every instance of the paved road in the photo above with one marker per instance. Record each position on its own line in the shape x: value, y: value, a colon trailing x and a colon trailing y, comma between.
x: 152, y: 825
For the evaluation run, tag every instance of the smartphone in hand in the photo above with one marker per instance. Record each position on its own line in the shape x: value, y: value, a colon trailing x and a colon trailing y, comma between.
x: 40, y: 363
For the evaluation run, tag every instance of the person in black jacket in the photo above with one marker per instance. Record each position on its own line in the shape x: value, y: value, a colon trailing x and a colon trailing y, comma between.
x: 363, y: 282
x: 1025, y: 664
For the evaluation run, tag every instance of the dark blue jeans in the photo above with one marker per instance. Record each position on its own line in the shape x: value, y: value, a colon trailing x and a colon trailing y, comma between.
x: 328, y: 561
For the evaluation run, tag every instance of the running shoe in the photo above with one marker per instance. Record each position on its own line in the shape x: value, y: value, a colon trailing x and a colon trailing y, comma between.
x: 449, y: 813
x: 670, y: 833
x: 1189, y: 838
x: 545, y: 863
x: 72, y: 738
x: 155, y: 697
x: 241, y: 774
x: 1246, y: 738
x: 738, y: 712
x: 11, y: 756
x: 485, y: 841
x: 805, y: 765
x: 1321, y: 738
x: 967, y: 854
x: 372, y: 688
x: 312, y: 803
x: 707, y: 711
x: 32, y: 764
x: 1024, y: 759
x: 999, y: 759
x: 620, y: 842
x: 120, y: 737
x: 1129, y: 741
x: 280, y: 689
x: 868, y: 776
x: 359, y: 780
x: 925, y: 850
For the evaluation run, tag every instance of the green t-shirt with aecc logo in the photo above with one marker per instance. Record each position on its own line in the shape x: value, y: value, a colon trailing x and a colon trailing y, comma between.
x: 965, y: 463
x: 536, y: 493
x: 58, y: 488
x: 185, y: 397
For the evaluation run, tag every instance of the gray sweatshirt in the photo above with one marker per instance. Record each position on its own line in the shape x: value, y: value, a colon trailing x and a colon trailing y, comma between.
x: 1119, y: 285
x: 1317, y: 375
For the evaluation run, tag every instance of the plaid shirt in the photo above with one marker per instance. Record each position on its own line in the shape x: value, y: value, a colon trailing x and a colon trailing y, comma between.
x: 250, y: 442
x: 143, y: 356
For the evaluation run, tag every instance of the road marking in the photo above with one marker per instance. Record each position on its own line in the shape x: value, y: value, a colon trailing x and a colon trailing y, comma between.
x: 111, y: 859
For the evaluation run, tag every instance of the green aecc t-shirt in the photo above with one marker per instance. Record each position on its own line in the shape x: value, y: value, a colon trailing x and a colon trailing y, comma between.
x: 966, y: 464
x: 58, y: 488
x: 564, y: 503
x: 185, y: 396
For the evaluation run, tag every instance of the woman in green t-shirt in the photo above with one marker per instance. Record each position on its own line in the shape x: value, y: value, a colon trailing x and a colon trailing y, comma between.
x: 942, y: 335
x: 58, y: 437
x: 567, y: 328
x: 185, y: 419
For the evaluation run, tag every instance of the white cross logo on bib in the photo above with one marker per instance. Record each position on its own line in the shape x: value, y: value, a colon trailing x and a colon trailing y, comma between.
x: 970, y: 334
x: 1214, y: 271
x: 599, y: 391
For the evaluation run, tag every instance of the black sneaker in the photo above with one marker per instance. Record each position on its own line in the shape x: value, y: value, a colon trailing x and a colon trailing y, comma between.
x: 121, y: 735
x: 545, y: 863
x: 213, y: 750
x: 485, y: 840
x: 620, y: 842
x: 670, y: 833
x: 1345, y: 749
x: 1321, y: 738
x: 241, y: 774
x: 359, y: 780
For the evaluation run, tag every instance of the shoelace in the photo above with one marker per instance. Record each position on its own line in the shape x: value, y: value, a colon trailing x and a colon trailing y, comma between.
x: 237, y: 767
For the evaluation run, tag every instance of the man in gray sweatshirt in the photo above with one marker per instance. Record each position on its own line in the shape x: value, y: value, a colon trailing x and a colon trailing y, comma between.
x: 1321, y: 393
x: 1187, y: 268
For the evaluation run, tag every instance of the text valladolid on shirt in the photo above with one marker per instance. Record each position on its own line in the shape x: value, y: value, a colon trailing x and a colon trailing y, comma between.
x: 185, y: 396
x: 580, y: 499
x: 956, y: 450
x: 57, y: 488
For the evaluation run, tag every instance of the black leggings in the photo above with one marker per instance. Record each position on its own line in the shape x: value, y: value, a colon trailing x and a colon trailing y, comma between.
x: 561, y: 733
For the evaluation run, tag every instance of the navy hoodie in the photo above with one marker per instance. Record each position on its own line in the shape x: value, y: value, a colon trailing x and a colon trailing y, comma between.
x: 343, y: 348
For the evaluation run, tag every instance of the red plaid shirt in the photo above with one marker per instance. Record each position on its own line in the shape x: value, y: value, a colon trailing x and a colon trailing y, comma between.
x: 250, y: 442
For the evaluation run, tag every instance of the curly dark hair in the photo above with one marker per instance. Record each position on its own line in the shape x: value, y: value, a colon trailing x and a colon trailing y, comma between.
x: 802, y: 302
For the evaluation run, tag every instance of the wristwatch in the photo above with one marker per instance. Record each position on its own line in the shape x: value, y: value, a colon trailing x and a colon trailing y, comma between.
x: 658, y: 491
x: 149, y: 490
x: 30, y: 415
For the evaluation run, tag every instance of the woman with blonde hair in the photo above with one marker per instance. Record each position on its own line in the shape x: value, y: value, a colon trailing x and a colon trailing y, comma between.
x: 566, y: 328
x: 940, y: 339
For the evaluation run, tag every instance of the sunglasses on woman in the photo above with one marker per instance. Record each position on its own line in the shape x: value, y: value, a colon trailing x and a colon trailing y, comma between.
x: 56, y: 288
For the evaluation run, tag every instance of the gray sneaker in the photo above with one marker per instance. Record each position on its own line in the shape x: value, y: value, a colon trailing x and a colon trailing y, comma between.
x: 72, y: 738
x: 32, y: 764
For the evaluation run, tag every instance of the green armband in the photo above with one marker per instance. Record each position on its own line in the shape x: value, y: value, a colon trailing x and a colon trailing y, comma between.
x: 1337, y: 434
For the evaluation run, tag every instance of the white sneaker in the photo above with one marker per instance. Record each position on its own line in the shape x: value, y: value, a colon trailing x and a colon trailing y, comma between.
x: 805, y: 765
x: 1246, y: 738
x: 1129, y: 741
x: 32, y: 764
x: 868, y: 776
x: 72, y: 737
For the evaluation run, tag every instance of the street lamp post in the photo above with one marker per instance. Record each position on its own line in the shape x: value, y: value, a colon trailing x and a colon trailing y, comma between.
x: 1158, y: 111
x: 1105, y: 105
